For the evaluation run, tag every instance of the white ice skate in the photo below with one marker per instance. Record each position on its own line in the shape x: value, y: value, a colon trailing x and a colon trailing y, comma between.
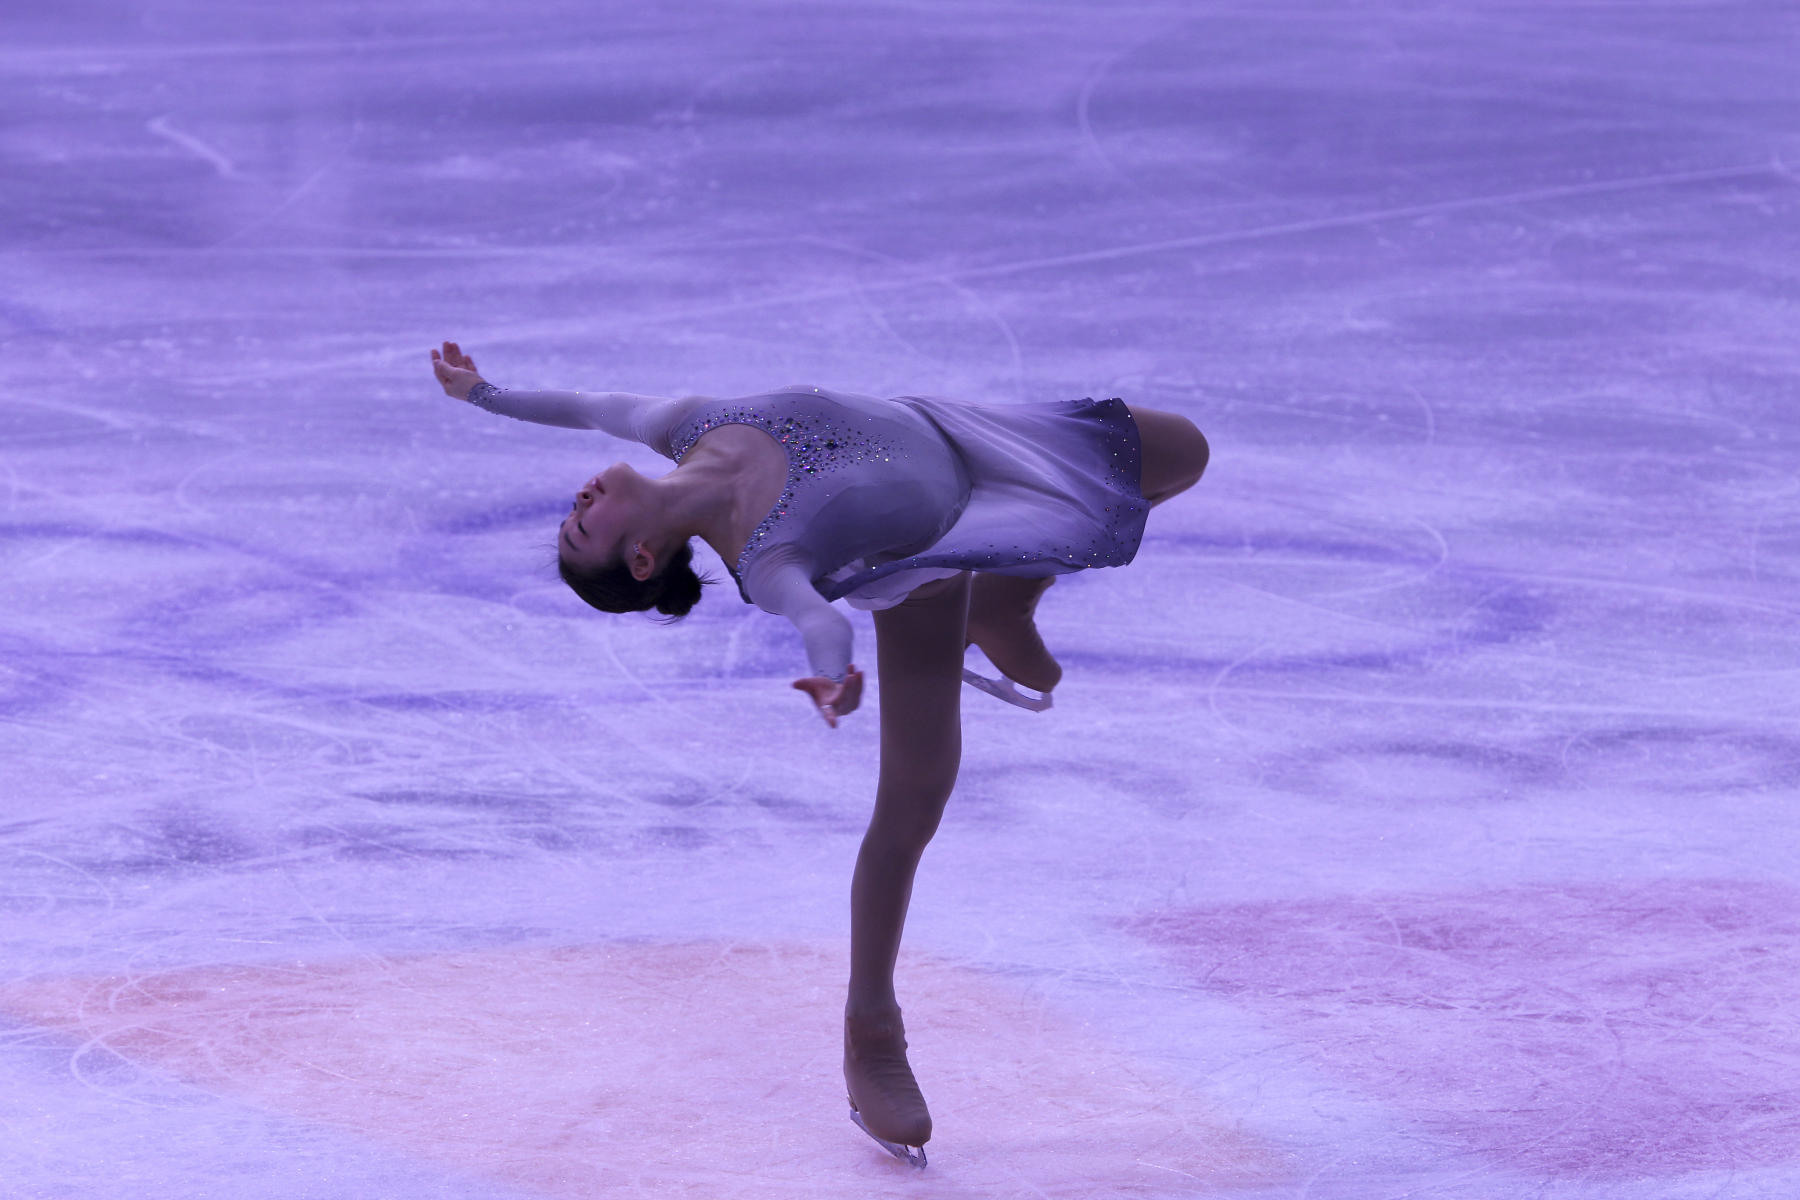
x: 907, y: 1154
x: 1005, y: 689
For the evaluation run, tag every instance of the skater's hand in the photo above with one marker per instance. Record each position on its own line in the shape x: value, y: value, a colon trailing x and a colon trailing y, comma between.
x: 833, y: 700
x: 455, y: 370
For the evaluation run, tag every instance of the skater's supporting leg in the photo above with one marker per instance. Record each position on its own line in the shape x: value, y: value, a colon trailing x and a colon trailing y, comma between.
x: 919, y: 650
x: 919, y: 647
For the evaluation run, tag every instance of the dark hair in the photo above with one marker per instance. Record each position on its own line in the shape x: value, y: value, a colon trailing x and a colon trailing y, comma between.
x: 672, y: 591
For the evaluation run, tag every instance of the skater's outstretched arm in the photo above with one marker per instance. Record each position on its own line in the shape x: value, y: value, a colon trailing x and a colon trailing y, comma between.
x: 644, y: 419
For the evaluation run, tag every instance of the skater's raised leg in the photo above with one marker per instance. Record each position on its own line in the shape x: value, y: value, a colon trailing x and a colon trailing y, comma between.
x: 1002, y: 621
x: 1003, y: 608
x: 919, y: 649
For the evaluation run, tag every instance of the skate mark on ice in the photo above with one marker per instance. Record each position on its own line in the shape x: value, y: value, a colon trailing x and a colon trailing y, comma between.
x: 163, y: 128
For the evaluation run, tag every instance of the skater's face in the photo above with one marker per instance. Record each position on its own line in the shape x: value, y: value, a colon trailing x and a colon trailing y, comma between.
x: 592, y: 534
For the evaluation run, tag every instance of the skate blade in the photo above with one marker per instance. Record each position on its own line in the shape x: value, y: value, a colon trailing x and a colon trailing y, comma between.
x: 1007, y: 690
x: 906, y: 1154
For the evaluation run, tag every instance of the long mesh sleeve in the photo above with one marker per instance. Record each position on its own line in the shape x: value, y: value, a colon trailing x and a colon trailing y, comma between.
x: 645, y: 419
x: 781, y: 583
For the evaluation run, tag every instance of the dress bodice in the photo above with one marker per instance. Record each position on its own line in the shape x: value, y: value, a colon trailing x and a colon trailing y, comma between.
x: 868, y: 481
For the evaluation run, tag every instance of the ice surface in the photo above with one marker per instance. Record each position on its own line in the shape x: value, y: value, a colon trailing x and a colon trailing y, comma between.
x: 1417, y: 815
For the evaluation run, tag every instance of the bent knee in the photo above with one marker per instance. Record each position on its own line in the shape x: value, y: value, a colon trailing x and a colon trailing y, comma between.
x: 1195, y: 449
x: 1175, y: 454
x: 1183, y: 446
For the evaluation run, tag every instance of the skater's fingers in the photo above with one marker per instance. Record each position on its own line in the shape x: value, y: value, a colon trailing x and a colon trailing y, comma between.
x: 850, y: 695
x: 824, y: 695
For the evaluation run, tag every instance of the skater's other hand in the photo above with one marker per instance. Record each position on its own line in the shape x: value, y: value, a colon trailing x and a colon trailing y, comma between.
x: 455, y: 370
x: 833, y: 700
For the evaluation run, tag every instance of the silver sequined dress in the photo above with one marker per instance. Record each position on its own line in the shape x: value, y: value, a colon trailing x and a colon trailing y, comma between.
x: 883, y: 495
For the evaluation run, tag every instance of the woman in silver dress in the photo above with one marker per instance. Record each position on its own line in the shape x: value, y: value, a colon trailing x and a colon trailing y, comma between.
x: 948, y: 520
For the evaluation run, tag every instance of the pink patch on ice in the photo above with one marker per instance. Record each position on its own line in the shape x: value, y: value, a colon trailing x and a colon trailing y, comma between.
x: 704, y: 1070
x: 1574, y: 1030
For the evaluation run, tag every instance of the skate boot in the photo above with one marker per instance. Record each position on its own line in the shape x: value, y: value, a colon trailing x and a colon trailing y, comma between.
x: 1002, y: 612
x: 884, y: 1097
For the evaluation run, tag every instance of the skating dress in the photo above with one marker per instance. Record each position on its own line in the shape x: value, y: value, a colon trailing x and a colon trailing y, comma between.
x: 883, y: 495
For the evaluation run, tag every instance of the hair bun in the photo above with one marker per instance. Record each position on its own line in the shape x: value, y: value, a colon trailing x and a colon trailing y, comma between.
x: 673, y: 592
x: 681, y: 586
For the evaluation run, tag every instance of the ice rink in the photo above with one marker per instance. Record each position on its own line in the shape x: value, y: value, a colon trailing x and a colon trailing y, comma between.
x: 1417, y: 817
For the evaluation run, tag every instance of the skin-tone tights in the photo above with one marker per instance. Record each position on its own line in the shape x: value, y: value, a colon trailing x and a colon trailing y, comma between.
x: 919, y: 655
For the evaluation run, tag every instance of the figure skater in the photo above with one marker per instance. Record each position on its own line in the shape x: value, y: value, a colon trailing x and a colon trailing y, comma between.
x: 947, y: 519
